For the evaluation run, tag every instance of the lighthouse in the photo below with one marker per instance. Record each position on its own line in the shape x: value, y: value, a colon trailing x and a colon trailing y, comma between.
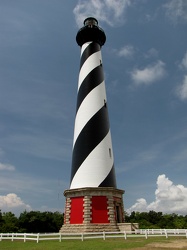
x: 93, y: 202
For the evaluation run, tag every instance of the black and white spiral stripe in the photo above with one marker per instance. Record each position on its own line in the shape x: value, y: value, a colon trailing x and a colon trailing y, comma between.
x: 92, y: 160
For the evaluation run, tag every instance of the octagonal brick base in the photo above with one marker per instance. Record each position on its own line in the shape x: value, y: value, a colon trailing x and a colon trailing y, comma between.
x: 93, y: 210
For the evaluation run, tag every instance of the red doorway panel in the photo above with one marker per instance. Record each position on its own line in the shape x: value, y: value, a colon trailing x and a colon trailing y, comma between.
x: 99, y: 209
x: 76, y: 215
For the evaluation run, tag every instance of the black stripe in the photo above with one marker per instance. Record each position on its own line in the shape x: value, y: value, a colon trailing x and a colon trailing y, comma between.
x: 93, y: 79
x: 92, y: 134
x: 90, y: 49
x: 110, y: 180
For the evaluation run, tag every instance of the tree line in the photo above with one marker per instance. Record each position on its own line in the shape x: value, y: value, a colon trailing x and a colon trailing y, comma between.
x: 155, y: 220
x: 45, y: 222
x: 31, y: 222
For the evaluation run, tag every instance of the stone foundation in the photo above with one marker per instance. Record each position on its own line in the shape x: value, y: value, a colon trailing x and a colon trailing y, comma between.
x: 81, y: 228
x: 91, y: 220
x: 128, y: 226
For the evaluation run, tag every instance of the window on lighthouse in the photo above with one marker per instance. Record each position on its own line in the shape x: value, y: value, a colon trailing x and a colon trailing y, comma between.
x: 90, y: 22
x: 105, y: 103
x: 110, y: 153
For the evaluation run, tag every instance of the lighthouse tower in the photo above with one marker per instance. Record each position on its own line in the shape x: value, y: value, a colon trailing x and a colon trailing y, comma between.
x: 93, y: 202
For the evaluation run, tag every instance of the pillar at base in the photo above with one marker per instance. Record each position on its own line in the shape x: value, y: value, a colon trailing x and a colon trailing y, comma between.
x: 93, y: 210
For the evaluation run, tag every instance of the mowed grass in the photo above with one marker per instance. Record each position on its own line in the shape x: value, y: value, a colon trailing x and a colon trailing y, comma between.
x: 94, y: 244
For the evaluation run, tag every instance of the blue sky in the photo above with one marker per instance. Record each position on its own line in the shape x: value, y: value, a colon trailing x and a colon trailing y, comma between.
x: 145, y: 64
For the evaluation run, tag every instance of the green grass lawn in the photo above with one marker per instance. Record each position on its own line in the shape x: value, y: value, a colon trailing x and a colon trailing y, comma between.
x: 94, y: 244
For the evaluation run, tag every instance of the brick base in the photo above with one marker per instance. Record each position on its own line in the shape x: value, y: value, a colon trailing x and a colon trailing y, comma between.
x: 114, y: 210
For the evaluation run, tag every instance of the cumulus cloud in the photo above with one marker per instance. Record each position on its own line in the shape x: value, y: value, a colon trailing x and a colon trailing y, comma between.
x: 184, y: 62
x: 176, y: 10
x: 151, y: 53
x: 127, y: 51
x: 140, y: 206
x: 6, y: 167
x: 149, y: 74
x: 182, y: 89
x: 169, y: 198
x: 108, y: 11
x: 11, y: 202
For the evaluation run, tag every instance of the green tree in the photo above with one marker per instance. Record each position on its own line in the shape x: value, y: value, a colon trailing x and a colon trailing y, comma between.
x: 1, y: 221
x: 58, y: 220
x: 168, y: 221
x: 179, y: 222
x: 154, y: 219
x: 36, y: 221
x: 9, y: 223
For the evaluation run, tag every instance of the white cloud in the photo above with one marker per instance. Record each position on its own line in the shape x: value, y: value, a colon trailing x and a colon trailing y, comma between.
x: 6, y: 167
x: 182, y: 89
x: 169, y: 198
x: 176, y: 10
x: 149, y: 74
x: 109, y: 11
x: 11, y: 202
x: 184, y: 62
x: 151, y: 53
x: 140, y: 206
x: 127, y: 51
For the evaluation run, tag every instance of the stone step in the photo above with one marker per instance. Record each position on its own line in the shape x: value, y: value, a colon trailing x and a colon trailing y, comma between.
x: 80, y: 228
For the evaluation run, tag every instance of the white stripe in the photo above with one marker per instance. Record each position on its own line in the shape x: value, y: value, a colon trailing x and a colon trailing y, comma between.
x: 93, y: 102
x: 92, y: 62
x: 96, y: 166
x: 84, y: 46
